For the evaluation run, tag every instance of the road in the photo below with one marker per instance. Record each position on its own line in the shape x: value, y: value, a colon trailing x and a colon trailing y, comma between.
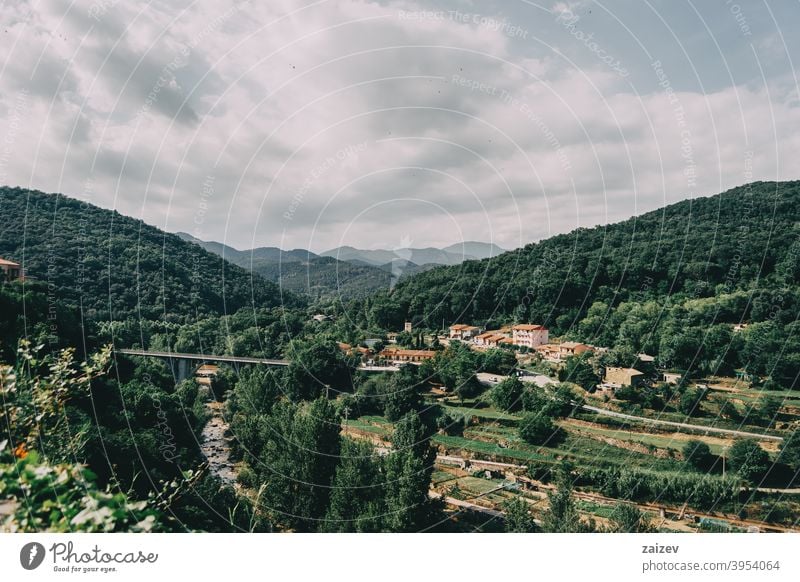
x: 541, y: 380
x: 492, y: 379
x: 683, y: 425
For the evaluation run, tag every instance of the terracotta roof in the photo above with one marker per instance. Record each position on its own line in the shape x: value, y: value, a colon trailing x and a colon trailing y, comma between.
x: 528, y: 327
x: 572, y: 345
x: 8, y: 263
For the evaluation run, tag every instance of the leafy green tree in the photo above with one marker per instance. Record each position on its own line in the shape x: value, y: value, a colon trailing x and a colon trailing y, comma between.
x: 255, y: 392
x: 468, y: 387
x: 537, y: 428
x: 627, y: 518
x: 301, y: 445
x: 409, y: 467
x: 318, y: 367
x: 357, y: 502
x: 697, y: 454
x: 507, y: 395
x: 748, y: 459
x: 790, y: 452
x: 34, y: 488
x: 402, y: 393
x: 499, y: 361
x: 729, y: 411
x: 561, y: 515
x: 689, y: 403
x: 768, y: 408
x: 579, y: 370
x: 518, y: 517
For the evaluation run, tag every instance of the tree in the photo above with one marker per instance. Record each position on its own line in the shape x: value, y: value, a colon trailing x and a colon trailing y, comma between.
x: 536, y: 428
x: 255, y: 392
x: 748, y: 459
x: 728, y: 410
x: 690, y: 401
x: 468, y: 387
x: 507, y: 395
x: 357, y: 502
x: 790, y: 453
x: 579, y: 370
x: 518, y: 516
x: 409, y: 467
x: 697, y: 454
x: 317, y: 365
x: 402, y: 393
x: 298, y: 462
x: 768, y: 408
x: 561, y: 515
x: 627, y: 518
x: 499, y: 361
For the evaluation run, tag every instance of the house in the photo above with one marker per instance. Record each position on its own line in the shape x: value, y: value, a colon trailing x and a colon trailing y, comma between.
x: 463, y: 332
x: 10, y: 270
x: 407, y: 327
x: 549, y: 352
x: 568, y: 349
x: 412, y: 356
x: 490, y: 339
x: 672, y: 377
x: 355, y: 351
x: 619, y: 377
x: 529, y: 335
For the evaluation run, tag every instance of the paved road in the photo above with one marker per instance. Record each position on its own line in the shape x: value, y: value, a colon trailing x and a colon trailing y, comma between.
x: 492, y: 379
x: 684, y: 425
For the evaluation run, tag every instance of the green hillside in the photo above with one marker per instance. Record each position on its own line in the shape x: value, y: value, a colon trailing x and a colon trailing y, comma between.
x: 115, y: 267
x: 670, y: 282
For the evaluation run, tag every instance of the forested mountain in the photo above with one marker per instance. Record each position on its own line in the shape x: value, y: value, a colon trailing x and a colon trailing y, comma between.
x: 302, y: 271
x: 670, y: 282
x: 115, y: 267
x: 735, y: 240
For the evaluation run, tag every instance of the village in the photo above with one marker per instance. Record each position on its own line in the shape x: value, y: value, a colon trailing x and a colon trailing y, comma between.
x: 531, y: 343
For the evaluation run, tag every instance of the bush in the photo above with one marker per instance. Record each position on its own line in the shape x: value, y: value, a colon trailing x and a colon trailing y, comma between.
x: 536, y: 429
x: 507, y: 395
x: 748, y: 459
x: 697, y: 455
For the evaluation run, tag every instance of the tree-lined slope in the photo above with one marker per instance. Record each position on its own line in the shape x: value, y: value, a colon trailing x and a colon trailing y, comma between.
x: 116, y: 267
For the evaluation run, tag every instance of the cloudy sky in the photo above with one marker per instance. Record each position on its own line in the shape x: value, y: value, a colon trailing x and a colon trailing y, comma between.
x: 392, y: 123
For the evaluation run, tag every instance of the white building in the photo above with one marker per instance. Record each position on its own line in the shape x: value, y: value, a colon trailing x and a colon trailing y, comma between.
x: 529, y: 335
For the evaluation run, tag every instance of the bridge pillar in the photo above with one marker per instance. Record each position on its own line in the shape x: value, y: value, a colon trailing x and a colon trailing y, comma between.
x: 183, y: 370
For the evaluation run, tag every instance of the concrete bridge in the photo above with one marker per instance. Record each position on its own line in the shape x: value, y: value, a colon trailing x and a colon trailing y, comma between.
x: 181, y: 363
x: 182, y: 368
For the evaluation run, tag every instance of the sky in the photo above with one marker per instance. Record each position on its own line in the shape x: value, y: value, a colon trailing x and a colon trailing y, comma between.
x: 393, y: 124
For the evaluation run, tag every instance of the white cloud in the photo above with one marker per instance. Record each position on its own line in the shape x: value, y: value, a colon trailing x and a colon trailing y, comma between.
x: 359, y: 120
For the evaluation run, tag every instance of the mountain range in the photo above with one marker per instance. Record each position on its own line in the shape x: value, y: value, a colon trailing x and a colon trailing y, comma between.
x: 345, y: 271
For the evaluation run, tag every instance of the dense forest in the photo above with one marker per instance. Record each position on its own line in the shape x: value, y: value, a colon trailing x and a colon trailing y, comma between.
x: 113, y: 267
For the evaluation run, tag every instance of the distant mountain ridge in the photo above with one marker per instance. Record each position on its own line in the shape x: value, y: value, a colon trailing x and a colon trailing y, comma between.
x: 452, y: 255
x: 345, y: 271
